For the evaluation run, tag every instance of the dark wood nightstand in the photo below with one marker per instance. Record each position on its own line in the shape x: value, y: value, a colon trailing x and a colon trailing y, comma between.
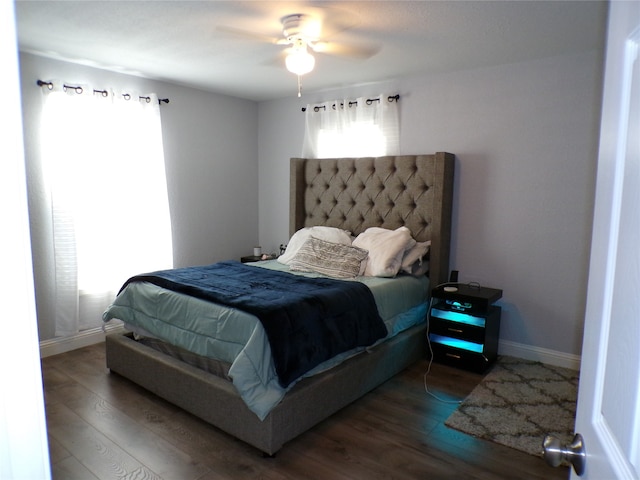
x: 250, y: 258
x: 464, y: 326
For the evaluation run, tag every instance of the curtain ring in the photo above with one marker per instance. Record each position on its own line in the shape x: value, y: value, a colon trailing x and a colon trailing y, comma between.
x: 126, y: 96
x: 78, y: 89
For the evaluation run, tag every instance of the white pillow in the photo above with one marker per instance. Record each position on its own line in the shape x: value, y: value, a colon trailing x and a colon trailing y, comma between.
x: 386, y: 249
x: 412, y: 259
x: 329, y: 234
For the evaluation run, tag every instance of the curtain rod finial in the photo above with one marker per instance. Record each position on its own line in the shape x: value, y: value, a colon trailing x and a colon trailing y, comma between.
x: 42, y: 83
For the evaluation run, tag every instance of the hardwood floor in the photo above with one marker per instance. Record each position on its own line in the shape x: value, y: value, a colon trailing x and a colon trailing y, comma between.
x: 102, y: 426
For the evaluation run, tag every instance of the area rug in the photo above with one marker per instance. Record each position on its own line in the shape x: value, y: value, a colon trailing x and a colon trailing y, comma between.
x: 518, y: 403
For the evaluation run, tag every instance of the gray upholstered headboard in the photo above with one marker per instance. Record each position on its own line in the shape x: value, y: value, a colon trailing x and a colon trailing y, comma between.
x: 356, y: 193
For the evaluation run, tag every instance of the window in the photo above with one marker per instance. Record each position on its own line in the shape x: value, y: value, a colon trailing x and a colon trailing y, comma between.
x: 103, y: 167
x: 361, y: 128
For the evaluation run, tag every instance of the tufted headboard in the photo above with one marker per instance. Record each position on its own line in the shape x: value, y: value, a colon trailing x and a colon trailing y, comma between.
x: 415, y: 191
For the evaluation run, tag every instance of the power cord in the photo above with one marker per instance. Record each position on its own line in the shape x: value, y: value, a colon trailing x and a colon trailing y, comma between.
x: 426, y: 374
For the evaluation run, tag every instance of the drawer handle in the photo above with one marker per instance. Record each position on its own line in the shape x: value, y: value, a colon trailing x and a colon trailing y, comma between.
x: 453, y: 355
x: 455, y: 330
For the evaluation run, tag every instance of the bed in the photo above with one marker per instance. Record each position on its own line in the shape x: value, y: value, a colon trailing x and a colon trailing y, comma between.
x: 354, y: 194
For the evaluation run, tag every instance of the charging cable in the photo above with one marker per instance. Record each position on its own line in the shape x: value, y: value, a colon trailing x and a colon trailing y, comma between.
x: 426, y: 374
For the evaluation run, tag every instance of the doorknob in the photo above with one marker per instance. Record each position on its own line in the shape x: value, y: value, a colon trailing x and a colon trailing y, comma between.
x: 575, y: 454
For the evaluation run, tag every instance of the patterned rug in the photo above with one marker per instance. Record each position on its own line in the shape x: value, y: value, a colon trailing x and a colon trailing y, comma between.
x: 518, y: 403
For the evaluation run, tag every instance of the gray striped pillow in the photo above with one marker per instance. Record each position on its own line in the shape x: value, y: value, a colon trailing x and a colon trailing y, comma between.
x: 330, y: 259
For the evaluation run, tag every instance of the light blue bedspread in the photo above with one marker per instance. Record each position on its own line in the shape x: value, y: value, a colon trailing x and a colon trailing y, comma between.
x: 238, y: 338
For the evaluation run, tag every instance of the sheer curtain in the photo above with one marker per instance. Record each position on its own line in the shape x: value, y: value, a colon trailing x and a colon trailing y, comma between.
x: 103, y: 165
x: 365, y: 127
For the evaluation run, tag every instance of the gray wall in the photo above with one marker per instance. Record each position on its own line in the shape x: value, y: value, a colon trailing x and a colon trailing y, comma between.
x: 525, y: 136
x: 210, y: 144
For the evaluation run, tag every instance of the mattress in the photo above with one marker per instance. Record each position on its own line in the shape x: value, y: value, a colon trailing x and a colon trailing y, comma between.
x: 238, y: 339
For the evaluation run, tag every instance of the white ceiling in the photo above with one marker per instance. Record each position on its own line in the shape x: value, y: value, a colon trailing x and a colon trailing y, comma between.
x: 182, y: 42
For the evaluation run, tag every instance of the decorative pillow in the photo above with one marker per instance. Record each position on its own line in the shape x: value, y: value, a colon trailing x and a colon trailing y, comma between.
x: 419, y: 269
x: 386, y: 249
x: 330, y: 234
x: 331, y: 259
x: 413, y: 258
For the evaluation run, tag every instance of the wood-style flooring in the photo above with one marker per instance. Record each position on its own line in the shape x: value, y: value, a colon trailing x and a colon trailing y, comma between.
x: 102, y: 426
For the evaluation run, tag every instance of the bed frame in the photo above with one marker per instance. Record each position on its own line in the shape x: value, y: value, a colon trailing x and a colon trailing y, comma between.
x: 349, y: 193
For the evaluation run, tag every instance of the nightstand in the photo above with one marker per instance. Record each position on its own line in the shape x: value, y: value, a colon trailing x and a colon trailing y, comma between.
x: 250, y: 258
x: 464, y: 326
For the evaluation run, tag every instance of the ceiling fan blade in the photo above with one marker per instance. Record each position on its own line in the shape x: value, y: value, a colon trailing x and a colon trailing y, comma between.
x: 353, y: 50
x: 333, y: 19
x: 248, y: 34
x: 277, y: 60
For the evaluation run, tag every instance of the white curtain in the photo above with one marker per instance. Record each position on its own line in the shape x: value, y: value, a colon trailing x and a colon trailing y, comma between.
x: 365, y: 127
x: 103, y: 167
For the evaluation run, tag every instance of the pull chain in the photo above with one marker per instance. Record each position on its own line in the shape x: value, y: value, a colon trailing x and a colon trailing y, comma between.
x: 299, y: 86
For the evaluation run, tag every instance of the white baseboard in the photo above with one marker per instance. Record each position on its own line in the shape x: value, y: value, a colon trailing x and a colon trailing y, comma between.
x: 85, y: 338
x: 538, y: 354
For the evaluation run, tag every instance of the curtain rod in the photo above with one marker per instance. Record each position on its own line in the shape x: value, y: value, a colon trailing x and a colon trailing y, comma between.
x: 78, y: 89
x: 369, y: 101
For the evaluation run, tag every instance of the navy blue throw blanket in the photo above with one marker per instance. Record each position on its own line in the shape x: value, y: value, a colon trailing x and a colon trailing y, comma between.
x: 307, y: 320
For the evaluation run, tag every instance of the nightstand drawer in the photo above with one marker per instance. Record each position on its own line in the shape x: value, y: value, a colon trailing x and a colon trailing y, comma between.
x: 460, y: 358
x: 456, y: 329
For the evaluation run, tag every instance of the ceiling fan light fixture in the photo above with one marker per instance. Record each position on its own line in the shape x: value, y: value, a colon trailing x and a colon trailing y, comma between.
x: 300, y: 61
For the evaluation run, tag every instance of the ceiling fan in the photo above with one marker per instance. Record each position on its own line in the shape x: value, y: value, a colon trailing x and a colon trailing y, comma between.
x: 300, y: 33
x: 303, y: 33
